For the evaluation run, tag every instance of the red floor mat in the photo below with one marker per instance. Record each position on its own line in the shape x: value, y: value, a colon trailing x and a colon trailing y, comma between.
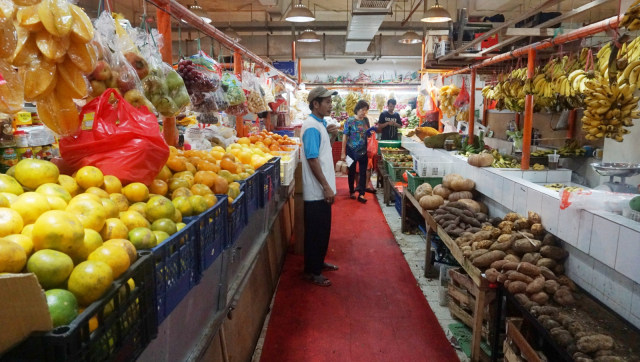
x: 374, y: 311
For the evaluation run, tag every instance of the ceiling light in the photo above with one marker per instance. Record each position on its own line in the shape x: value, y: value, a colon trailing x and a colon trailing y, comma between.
x: 436, y: 14
x: 300, y: 14
x: 410, y: 37
x: 199, y: 11
x: 233, y: 35
x: 308, y: 36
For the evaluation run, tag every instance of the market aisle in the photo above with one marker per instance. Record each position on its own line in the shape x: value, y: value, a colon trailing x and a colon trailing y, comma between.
x: 374, y: 311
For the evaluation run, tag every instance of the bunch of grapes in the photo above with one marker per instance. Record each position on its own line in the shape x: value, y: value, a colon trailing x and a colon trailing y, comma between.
x: 194, y: 79
x: 207, y: 118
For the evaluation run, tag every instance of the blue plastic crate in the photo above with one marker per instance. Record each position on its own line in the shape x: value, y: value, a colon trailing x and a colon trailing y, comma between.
x: 212, y: 232
x: 237, y: 218
x: 266, y: 183
x: 120, y: 335
x: 252, y: 192
x: 398, y: 202
x: 177, y: 268
x: 284, y: 132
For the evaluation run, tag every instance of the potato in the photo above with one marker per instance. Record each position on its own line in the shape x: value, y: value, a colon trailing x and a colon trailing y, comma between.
x: 509, y: 265
x: 564, y: 280
x: 553, y: 252
x: 522, y: 298
x: 498, y: 264
x: 512, y: 216
x: 500, y: 246
x: 477, y: 253
x: 564, y: 297
x: 541, y: 298
x: 512, y: 258
x: 551, y: 286
x: 537, y: 230
x: 593, y: 343
x: 515, y: 287
x: 549, y: 239
x: 548, y: 274
x: 521, y: 224
x: 486, y: 259
x: 531, y: 258
x: 533, y: 218
x: 514, y: 275
x: 492, y: 275
x: 562, y: 336
x: 523, y: 246
x: 546, y: 262
x: 482, y: 244
x: 505, y: 224
x: 550, y: 324
x: 537, y: 285
x: 528, y: 269
x: 482, y: 235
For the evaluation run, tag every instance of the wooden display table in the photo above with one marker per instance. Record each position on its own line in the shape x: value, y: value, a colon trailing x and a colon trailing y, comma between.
x: 482, y: 291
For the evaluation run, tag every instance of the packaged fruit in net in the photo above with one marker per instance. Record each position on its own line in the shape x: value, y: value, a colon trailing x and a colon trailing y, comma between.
x: 233, y: 89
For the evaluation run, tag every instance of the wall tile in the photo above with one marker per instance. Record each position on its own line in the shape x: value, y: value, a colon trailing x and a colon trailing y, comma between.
x: 550, y: 207
x: 534, y: 201
x: 585, y: 230
x: 635, y: 300
x: 627, y: 259
x: 604, y: 240
x: 520, y: 199
x: 568, y: 223
x: 508, y: 189
x: 535, y: 176
x: 560, y: 176
x: 497, y: 184
x: 600, y: 277
x: 579, y: 267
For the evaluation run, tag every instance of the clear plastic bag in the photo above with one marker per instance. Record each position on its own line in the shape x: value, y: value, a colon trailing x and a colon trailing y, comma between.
x: 200, y: 73
x: 237, y: 110
x: 595, y: 200
x: 165, y: 89
x: 11, y: 89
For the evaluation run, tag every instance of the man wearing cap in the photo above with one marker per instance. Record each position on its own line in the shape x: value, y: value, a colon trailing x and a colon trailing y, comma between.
x: 319, y: 185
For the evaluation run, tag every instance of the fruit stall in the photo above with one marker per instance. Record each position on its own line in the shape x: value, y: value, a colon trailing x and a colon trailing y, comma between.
x: 141, y: 201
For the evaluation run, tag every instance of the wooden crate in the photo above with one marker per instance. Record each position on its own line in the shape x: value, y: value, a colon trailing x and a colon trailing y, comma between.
x: 516, y: 348
x: 463, y: 296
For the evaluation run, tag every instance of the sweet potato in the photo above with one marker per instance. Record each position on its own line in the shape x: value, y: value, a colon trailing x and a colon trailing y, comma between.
x: 541, y: 298
x: 514, y: 275
x: 551, y: 286
x: 547, y: 263
x: 477, y: 253
x: 528, y: 269
x: 486, y: 259
x: 498, y: 264
x: 553, y: 252
x: 564, y: 297
x: 522, y: 298
x: 500, y: 246
x: 609, y: 358
x: 523, y: 246
x: 548, y: 274
x: 545, y: 310
x: 492, y: 275
x: 531, y: 258
x: 482, y: 235
x: 558, y: 269
x: 549, y: 239
x: 536, y: 285
x: 509, y: 265
x: 502, y: 277
x: 550, y: 324
x: 516, y: 287
x: 512, y: 258
x: 562, y: 336
x: 593, y: 343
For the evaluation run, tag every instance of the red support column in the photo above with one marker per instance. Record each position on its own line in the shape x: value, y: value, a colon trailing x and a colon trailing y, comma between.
x: 572, y: 124
x: 299, y: 71
x: 472, y: 106
x: 528, y: 115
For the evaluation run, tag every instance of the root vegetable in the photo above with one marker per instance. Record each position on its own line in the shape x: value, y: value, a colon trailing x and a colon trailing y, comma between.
x: 553, y: 252
x: 541, y: 298
x: 512, y: 216
x: 522, y: 298
x: 506, y: 238
x: 516, y: 276
x: 551, y: 286
x: 562, y: 336
x: 477, y: 253
x: 521, y: 224
x: 559, y: 269
x: 550, y: 324
x: 442, y: 191
x: 547, y: 273
x: 475, y: 206
x: 545, y: 310
x: 537, y: 230
x: 593, y: 343
x: 498, y: 264
x: 528, y: 269
x: 482, y: 235
x: 513, y: 258
x: 547, y: 263
x: 564, y: 280
x: 534, y: 218
x: 491, y: 275
x: 515, y: 287
x: 486, y: 259
x: 549, y: 239
x: 537, y: 285
x: 524, y: 246
x: 564, y: 297
x: 501, y: 246
x: 482, y: 244
x: 531, y: 258
x: 456, y: 196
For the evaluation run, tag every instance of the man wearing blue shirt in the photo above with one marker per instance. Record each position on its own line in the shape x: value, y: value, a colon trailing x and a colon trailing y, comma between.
x: 319, y: 185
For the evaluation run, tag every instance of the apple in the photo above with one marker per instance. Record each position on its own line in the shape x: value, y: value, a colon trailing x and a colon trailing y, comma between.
x: 112, y: 82
x: 102, y: 71
x: 135, y: 98
x: 138, y: 63
x: 126, y: 81
x: 154, y: 85
x: 97, y: 88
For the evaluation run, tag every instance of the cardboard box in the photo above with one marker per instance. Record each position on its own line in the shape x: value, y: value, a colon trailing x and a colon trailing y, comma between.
x: 23, y: 309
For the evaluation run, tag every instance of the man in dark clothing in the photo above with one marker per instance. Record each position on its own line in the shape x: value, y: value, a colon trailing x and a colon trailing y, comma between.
x: 389, y: 122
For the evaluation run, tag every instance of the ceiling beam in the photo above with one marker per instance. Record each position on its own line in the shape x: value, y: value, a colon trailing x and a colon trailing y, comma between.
x: 536, y: 31
x: 546, y: 24
x: 504, y: 25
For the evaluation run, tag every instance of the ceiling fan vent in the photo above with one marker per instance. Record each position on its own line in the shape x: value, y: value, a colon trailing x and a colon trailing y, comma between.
x: 374, y: 4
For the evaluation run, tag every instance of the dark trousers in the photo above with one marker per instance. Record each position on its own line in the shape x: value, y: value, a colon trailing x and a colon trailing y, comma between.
x: 362, y: 162
x: 317, y: 230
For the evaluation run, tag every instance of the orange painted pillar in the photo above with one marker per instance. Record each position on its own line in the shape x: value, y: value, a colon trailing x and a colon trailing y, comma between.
x: 572, y: 124
x: 299, y: 71
x: 293, y: 50
x: 424, y: 48
x: 237, y: 70
x: 528, y: 115
x: 472, y: 106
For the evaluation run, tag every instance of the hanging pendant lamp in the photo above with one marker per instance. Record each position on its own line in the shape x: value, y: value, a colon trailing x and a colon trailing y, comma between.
x: 436, y: 14
x: 410, y: 37
x: 308, y: 36
x: 199, y: 11
x: 300, y: 14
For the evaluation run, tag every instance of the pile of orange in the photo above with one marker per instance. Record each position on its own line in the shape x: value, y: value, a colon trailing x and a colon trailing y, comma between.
x: 269, y: 141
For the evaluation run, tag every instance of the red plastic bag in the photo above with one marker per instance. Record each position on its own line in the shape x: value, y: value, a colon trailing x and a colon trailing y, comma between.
x: 372, y: 146
x: 463, y: 97
x: 124, y: 141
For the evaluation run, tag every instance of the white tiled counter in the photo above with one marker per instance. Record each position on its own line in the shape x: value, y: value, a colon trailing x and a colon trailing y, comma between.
x: 604, y: 247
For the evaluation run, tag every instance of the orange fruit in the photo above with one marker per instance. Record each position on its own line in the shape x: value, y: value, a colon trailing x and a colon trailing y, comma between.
x: 177, y: 217
x: 88, y: 176
x: 22, y: 240
x: 159, y: 187
x: 10, y: 222
x: 164, y: 174
x: 30, y: 206
x: 211, y: 200
x: 198, y: 203
x: 12, y: 257
x: 142, y: 238
x: 182, y: 204
x: 217, y: 154
x: 56, y: 203
x: 207, y: 178
x: 97, y: 191
x: 121, y: 201
x: 177, y: 163
x: 191, y: 168
x: 127, y: 246
x: 112, y: 184
x: 27, y: 230
x: 91, y: 213
x: 221, y: 186
x: 51, y: 267
x: 136, y: 192
x: 245, y: 157
x: 181, y: 191
x: 160, y: 236
x: 202, y: 190
x: 227, y: 164
x: 32, y: 173
x: 159, y: 207
x: 10, y: 185
x: 92, y: 240
x: 176, y: 183
x: 133, y: 219
x: 166, y: 225
x: 110, y: 207
x: 69, y: 184
x: 58, y: 230
x: 114, y: 228
x: 89, y: 280
x: 63, y: 306
x: 139, y: 207
x: 52, y: 189
x: 114, y: 255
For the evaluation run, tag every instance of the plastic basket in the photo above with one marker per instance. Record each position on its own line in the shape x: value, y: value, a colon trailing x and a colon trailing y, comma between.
x: 395, y: 173
x: 426, y: 166
x: 388, y: 144
x: 287, y: 171
x: 414, y: 181
x: 276, y: 172
x: 252, y: 192
x: 398, y: 202
x: 212, y: 232
x: 177, y: 269
x: 237, y: 218
x: 266, y: 182
x: 121, y: 335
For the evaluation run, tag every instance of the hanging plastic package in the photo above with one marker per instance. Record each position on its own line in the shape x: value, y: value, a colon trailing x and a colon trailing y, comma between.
x: 233, y: 89
x: 11, y: 89
x: 122, y: 140
x: 463, y: 97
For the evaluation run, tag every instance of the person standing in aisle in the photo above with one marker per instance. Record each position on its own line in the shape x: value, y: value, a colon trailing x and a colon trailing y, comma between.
x: 389, y: 122
x: 354, y: 145
x: 319, y: 185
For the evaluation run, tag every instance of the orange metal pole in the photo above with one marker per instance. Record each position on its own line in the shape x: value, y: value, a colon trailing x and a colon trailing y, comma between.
x: 293, y: 50
x: 472, y: 107
x: 237, y: 70
x: 528, y: 114
x: 572, y: 124
x: 424, y: 48
x: 299, y: 71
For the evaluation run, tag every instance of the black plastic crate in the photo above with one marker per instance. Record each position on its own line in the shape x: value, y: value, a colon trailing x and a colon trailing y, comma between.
x: 176, y: 266
x: 237, y: 218
x: 97, y: 334
x: 252, y: 192
x: 266, y: 183
x: 275, y: 161
x: 211, y: 227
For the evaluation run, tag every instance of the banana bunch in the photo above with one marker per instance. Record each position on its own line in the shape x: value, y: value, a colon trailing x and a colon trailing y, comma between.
x: 350, y: 102
x: 520, y: 73
x: 578, y: 79
x: 538, y: 167
x: 571, y: 148
x: 629, y: 56
x: 503, y: 162
x: 602, y: 64
x: 563, y: 87
x: 543, y: 86
x: 541, y: 153
x: 609, y: 108
x: 447, y: 97
x: 631, y: 19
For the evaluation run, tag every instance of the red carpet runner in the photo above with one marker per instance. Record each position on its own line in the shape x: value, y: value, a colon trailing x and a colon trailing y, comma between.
x: 374, y: 311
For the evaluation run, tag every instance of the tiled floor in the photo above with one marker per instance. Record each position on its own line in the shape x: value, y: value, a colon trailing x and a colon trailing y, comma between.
x: 413, y: 248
